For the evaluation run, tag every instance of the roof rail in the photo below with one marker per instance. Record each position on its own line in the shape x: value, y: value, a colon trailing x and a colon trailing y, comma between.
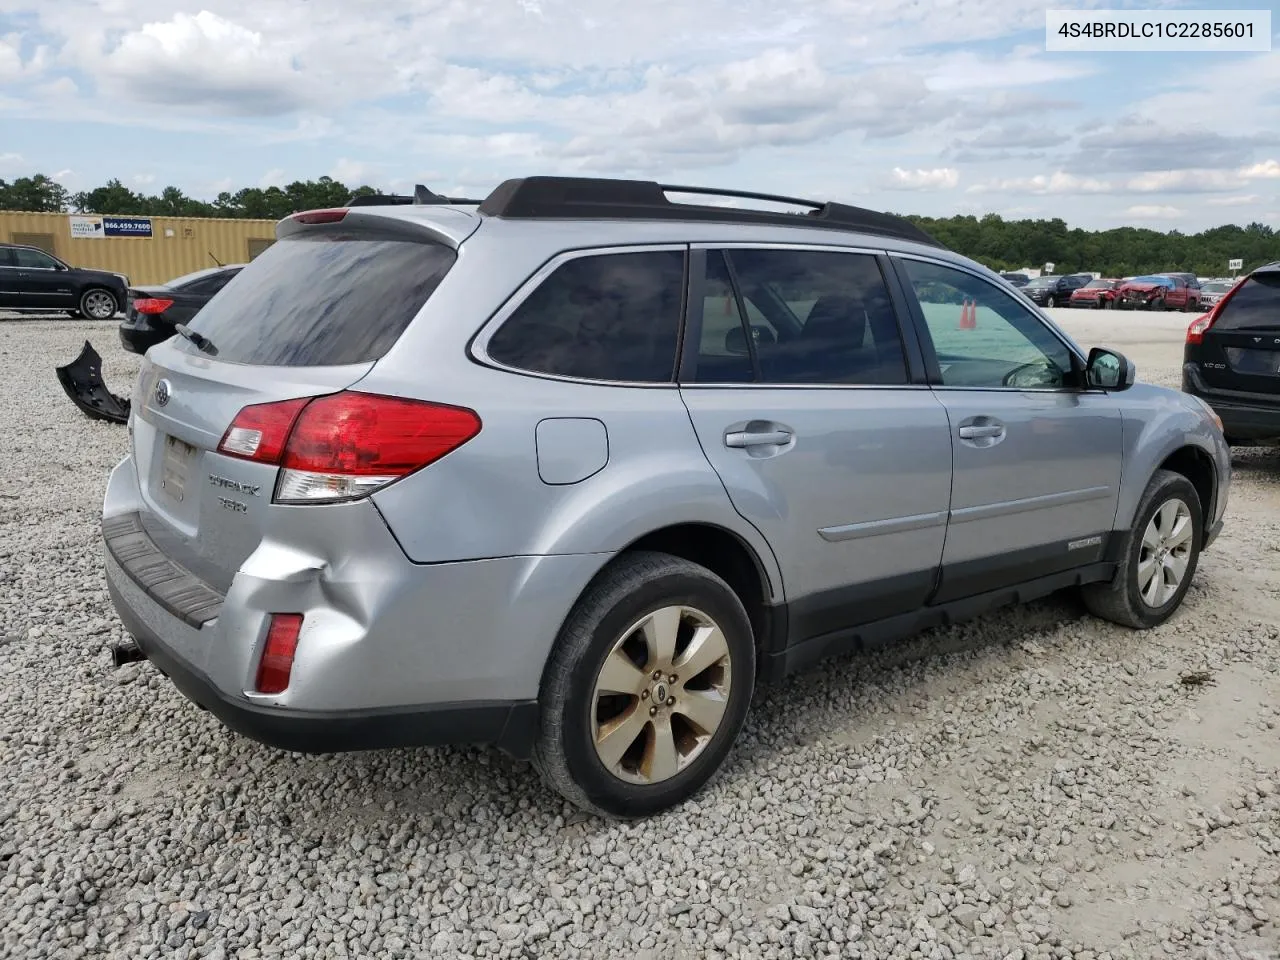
x: 591, y: 198
x: 422, y: 196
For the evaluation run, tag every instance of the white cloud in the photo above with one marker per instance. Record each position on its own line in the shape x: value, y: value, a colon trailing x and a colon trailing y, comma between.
x: 1154, y: 212
x: 1054, y: 183
x: 1240, y: 200
x: 206, y: 61
x: 1266, y: 170
x: 939, y: 178
x: 353, y: 173
x: 275, y: 177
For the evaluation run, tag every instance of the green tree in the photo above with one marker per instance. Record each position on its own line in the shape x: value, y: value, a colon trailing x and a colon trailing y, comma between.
x: 37, y: 194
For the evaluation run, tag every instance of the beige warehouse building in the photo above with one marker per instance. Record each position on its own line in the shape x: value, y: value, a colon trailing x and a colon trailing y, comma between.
x: 145, y: 249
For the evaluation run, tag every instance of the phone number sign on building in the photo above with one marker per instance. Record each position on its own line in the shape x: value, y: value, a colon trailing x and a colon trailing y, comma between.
x: 97, y: 227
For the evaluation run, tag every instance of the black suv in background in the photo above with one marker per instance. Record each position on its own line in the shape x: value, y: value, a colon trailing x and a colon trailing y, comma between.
x: 31, y: 279
x: 1231, y: 359
x: 1054, y: 291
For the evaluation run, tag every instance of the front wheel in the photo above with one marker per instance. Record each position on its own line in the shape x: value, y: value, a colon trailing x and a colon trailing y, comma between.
x: 1105, y: 304
x: 98, y: 304
x: 1158, y: 557
x: 1157, y: 304
x: 1051, y: 302
x: 647, y: 687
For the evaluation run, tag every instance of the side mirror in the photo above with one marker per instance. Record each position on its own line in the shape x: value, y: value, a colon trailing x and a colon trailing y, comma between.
x: 736, y: 342
x: 1109, y: 370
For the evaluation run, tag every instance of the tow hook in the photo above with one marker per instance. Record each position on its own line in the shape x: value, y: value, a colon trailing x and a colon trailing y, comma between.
x: 122, y: 653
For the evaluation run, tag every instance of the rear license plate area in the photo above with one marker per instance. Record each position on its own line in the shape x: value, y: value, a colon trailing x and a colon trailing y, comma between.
x: 1257, y: 362
x: 176, y: 467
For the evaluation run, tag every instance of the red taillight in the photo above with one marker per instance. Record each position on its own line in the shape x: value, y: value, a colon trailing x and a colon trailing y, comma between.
x: 320, y: 216
x: 151, y: 305
x: 259, y: 432
x: 278, y: 652
x: 1195, y: 332
x: 349, y: 444
x: 346, y: 445
x: 1200, y: 325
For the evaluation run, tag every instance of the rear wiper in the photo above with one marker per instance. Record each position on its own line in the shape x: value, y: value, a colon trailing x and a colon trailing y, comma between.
x: 202, y: 342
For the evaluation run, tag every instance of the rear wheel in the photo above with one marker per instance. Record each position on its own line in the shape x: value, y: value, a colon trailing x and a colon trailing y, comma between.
x: 98, y: 304
x: 1158, y: 558
x: 647, y: 687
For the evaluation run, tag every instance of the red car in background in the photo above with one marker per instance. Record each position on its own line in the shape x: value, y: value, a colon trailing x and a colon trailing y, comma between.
x: 1097, y: 294
x: 1157, y: 292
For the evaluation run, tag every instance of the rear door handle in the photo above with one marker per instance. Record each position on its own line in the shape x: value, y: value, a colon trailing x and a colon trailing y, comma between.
x: 744, y: 438
x: 978, y: 433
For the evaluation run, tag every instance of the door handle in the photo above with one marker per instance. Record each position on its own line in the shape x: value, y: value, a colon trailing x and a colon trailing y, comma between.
x: 978, y: 433
x: 745, y: 438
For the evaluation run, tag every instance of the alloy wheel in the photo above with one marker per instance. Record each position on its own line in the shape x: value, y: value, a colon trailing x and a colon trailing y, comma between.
x: 1165, y: 553
x: 660, y: 695
x: 99, y: 305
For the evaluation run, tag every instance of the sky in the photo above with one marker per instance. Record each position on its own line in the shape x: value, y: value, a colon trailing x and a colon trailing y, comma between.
x: 935, y: 108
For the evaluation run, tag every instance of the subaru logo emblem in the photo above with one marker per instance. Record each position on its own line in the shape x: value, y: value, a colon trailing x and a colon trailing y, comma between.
x: 162, y: 392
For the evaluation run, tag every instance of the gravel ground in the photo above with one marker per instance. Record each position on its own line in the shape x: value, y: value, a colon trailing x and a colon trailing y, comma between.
x: 1033, y: 784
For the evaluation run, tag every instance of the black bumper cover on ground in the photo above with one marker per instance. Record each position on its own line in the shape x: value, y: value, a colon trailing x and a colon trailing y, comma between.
x: 509, y: 725
x: 82, y: 381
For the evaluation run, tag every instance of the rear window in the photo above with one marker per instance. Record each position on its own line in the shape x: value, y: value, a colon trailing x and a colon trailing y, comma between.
x: 613, y: 316
x: 321, y: 300
x: 1255, y: 306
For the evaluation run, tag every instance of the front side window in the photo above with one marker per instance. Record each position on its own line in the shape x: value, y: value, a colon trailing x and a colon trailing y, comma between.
x: 982, y: 336
x: 34, y: 259
x: 813, y: 317
x: 613, y: 316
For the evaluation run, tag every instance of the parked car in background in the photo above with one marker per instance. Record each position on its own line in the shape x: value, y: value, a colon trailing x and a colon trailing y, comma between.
x: 152, y: 312
x: 1055, y: 291
x: 1211, y: 291
x: 1231, y: 360
x: 690, y: 447
x: 1157, y: 292
x: 1017, y: 279
x: 1098, y: 294
x: 31, y: 279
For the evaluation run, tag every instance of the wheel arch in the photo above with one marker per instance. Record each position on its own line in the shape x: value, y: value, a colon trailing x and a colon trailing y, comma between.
x: 1197, y: 466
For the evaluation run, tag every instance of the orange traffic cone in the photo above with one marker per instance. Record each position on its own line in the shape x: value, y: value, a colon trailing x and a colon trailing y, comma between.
x: 967, y: 319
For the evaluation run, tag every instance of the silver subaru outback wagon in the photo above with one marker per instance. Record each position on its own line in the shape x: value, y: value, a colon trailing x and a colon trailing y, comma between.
x: 570, y: 469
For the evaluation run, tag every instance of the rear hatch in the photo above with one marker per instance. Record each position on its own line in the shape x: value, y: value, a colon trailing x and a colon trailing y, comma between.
x: 307, y: 318
x: 1241, y: 349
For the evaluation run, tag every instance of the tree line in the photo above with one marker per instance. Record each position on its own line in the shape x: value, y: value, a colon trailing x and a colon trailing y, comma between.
x: 1001, y: 244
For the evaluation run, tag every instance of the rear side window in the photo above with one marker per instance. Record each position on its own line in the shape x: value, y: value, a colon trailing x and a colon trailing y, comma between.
x: 322, y: 300
x: 1255, y: 306
x: 609, y: 316
x: 813, y: 317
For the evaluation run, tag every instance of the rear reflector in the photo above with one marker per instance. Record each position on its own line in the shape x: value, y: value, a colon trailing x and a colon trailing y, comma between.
x: 277, y: 654
x: 320, y: 216
x: 150, y: 305
x: 346, y: 445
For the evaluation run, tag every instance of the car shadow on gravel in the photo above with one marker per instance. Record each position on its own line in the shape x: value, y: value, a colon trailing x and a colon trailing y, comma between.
x: 1259, y: 463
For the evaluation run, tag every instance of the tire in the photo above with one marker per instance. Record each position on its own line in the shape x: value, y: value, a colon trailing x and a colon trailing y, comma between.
x: 1157, y: 304
x: 98, y: 304
x: 1122, y: 600
x: 1105, y: 304
x: 1051, y: 302
x: 605, y: 626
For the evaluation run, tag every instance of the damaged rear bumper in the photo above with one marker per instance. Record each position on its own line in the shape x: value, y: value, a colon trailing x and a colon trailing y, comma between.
x: 82, y: 381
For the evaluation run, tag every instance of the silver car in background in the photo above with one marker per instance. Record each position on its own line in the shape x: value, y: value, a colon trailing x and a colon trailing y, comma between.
x: 571, y: 471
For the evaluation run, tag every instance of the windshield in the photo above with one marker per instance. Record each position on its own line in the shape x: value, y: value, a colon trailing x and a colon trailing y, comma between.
x: 189, y: 277
x: 1043, y: 282
x: 1098, y: 285
x: 1161, y: 281
x: 1216, y: 286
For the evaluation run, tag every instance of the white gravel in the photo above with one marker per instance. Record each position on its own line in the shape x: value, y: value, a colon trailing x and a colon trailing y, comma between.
x: 1034, y: 784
